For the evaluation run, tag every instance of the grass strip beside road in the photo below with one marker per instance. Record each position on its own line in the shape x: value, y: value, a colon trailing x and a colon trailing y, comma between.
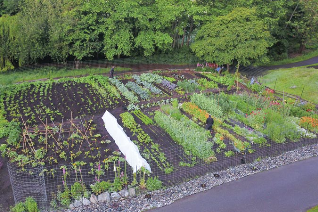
x: 11, y: 77
x: 298, y: 81
x: 314, y: 209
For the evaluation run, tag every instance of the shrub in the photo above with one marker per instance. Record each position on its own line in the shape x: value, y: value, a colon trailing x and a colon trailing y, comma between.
x: 100, y: 187
x: 153, y: 184
x: 31, y: 205
x: 18, y: 207
x: 77, y: 190
x: 309, y: 107
x: 105, y: 186
x: 64, y: 197
x: 256, y: 119
x: 229, y: 154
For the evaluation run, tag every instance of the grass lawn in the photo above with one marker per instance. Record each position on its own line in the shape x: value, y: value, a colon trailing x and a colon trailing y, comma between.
x: 314, y: 209
x: 305, y: 79
x: 316, y: 64
x: 11, y: 77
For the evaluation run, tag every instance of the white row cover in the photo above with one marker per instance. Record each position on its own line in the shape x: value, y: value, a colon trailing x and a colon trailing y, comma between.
x: 126, y: 146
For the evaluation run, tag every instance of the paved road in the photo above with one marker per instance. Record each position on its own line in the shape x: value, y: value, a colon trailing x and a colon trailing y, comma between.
x: 290, y: 188
x: 260, y: 71
x: 310, y: 61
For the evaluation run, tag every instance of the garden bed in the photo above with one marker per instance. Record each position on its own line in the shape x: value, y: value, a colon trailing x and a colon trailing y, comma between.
x: 58, y: 124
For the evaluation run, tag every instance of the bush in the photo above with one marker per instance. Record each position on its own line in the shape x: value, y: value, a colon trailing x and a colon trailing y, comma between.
x: 18, y: 207
x: 100, y: 187
x: 64, y: 197
x: 153, y: 184
x: 29, y: 205
x: 229, y: 154
x: 77, y: 190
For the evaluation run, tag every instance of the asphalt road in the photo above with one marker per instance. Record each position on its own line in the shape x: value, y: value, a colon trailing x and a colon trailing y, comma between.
x: 310, y: 61
x: 290, y: 188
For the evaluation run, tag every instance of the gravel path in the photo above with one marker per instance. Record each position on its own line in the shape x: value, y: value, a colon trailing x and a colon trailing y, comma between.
x: 167, y: 196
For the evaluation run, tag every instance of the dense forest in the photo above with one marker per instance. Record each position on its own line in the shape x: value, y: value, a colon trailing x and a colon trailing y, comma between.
x: 32, y: 31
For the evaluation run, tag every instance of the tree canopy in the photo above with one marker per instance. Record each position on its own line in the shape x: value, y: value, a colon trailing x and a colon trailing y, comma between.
x: 32, y: 31
x: 238, y: 36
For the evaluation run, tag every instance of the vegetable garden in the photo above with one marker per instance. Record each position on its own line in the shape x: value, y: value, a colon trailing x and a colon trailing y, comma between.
x: 57, y: 125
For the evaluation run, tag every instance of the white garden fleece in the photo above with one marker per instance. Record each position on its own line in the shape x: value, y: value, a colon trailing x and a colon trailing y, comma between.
x: 125, y: 145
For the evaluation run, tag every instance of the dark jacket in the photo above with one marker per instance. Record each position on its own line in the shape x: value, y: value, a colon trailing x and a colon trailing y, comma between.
x: 209, y: 121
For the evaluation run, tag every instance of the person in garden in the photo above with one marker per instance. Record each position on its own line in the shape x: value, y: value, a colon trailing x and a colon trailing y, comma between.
x: 111, y: 73
x: 209, y: 123
x: 218, y: 69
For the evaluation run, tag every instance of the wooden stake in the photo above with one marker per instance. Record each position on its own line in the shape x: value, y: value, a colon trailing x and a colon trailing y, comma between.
x: 46, y: 133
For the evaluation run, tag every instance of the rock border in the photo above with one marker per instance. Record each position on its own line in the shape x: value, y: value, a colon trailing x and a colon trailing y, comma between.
x: 169, y: 195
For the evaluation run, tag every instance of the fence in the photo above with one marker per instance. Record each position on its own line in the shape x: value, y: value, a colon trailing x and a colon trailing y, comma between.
x: 43, y: 187
x: 134, y: 64
x: 43, y: 182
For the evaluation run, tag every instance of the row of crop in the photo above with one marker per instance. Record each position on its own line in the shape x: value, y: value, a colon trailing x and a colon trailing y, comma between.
x: 228, y: 80
x: 188, y: 86
x: 151, y: 78
x: 171, y: 86
x: 142, y: 92
x: 154, y: 153
x: 272, y: 118
x: 102, y: 85
x: 144, y: 118
x: 192, y: 109
x: 153, y: 89
x: 124, y: 91
x: 185, y: 132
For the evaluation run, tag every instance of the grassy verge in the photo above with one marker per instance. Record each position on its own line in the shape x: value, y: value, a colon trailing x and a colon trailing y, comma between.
x: 299, y: 81
x: 314, y: 209
x: 315, y: 64
x: 293, y: 60
x: 11, y: 77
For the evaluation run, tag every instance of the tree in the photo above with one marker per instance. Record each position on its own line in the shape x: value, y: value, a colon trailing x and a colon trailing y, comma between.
x: 303, y: 22
x: 238, y: 36
x: 8, y: 33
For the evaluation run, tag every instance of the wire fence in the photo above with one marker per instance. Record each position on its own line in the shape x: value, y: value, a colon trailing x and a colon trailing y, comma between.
x: 133, y: 64
x: 43, y: 183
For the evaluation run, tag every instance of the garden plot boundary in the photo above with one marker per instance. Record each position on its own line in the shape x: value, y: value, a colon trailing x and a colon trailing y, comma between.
x: 42, y: 185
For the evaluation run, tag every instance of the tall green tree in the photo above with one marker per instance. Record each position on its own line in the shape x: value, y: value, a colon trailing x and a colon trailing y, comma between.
x: 303, y: 22
x: 8, y: 41
x: 238, y: 36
